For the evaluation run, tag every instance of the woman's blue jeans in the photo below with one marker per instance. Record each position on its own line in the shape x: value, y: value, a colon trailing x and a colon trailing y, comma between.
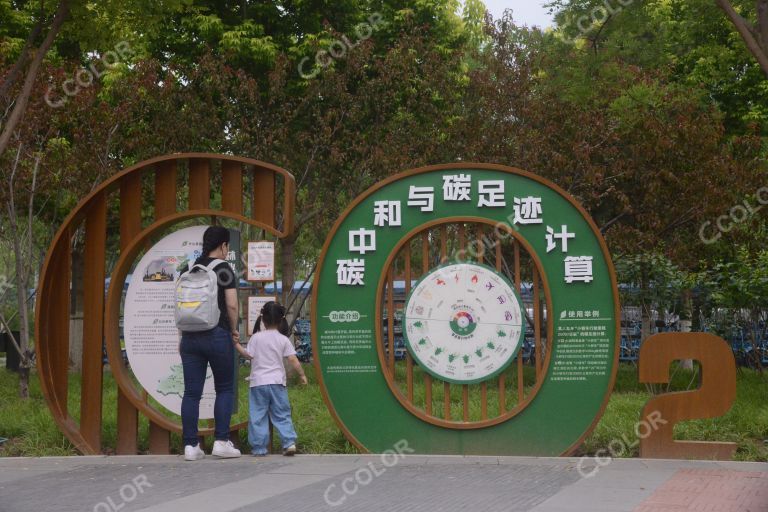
x: 198, y: 350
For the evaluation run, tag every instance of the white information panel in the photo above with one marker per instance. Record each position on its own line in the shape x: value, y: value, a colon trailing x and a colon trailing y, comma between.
x: 464, y: 323
x: 151, y: 338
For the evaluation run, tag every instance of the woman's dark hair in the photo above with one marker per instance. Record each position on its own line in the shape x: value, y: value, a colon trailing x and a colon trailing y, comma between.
x: 213, y: 237
x: 273, y: 315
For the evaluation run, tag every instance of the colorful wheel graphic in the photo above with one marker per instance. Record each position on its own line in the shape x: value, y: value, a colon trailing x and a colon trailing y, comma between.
x: 464, y: 323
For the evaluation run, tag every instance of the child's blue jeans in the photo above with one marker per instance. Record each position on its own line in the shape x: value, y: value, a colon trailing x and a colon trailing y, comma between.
x: 269, y: 401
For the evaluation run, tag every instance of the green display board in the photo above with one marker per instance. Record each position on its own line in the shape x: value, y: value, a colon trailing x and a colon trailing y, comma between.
x: 582, y: 312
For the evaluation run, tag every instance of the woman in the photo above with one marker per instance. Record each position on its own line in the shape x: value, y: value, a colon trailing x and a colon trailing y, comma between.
x: 215, y: 347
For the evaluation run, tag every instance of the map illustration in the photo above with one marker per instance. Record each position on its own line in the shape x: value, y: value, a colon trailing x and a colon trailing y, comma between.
x: 173, y: 384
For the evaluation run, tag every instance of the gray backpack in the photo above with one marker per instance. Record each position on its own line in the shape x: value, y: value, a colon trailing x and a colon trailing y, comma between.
x: 197, y: 298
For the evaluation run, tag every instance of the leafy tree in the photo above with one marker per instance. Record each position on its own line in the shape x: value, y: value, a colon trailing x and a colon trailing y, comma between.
x: 690, y: 38
x: 639, y: 151
x: 650, y: 280
x: 741, y: 288
x: 755, y: 35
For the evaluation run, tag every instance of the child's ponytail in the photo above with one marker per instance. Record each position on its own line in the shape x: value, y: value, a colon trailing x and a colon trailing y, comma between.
x: 273, y: 315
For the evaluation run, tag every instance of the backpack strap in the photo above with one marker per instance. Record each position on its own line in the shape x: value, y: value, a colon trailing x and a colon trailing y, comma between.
x: 214, y: 264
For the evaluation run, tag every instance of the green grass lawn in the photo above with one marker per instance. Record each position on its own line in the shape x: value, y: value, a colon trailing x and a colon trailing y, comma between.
x: 32, y: 432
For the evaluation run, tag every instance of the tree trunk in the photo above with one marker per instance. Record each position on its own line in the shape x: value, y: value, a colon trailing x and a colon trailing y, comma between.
x: 21, y: 100
x: 645, y: 305
x: 748, y: 33
x: 22, y: 255
x: 757, y: 353
x: 76, y: 311
x: 13, y: 75
x: 288, y: 265
x: 686, y: 314
x: 21, y: 288
x: 645, y: 326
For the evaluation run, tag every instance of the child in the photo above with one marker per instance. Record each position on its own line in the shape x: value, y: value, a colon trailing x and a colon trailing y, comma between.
x: 269, y: 347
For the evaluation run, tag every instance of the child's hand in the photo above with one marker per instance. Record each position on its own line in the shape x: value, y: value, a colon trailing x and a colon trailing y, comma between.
x: 303, y: 380
x: 241, y: 350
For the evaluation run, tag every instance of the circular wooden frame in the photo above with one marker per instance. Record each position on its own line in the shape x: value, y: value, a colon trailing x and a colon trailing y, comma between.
x: 459, y: 166
x: 419, y: 413
x: 112, y: 312
x: 53, y: 296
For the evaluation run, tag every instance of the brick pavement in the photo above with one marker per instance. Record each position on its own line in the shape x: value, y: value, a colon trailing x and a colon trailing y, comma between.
x: 366, y: 483
x: 710, y: 490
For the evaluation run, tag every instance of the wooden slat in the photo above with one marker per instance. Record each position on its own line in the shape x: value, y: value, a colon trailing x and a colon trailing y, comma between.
x: 165, y: 189
x: 480, y: 244
x: 130, y: 209
x: 464, y: 388
x: 465, y: 399
x: 130, y: 227
x: 264, y: 196
x: 391, y: 320
x: 502, y: 378
x: 127, y: 426
x: 483, y: 400
x: 93, y: 321
x: 159, y: 440
x: 443, y: 243
x: 537, y: 323
x: 447, y: 400
x: 483, y: 385
x: 165, y: 205
x: 199, y: 183
x: 446, y: 385
x: 518, y: 287
x: 408, y: 358
x: 424, y: 270
x: 232, y: 186
x: 59, y: 303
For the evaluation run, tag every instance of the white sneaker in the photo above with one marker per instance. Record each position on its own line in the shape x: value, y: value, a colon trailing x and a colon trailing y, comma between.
x: 193, y: 452
x: 225, y: 450
x: 290, y: 451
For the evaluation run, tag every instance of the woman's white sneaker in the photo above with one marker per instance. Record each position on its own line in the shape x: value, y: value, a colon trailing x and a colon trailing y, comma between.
x: 225, y: 450
x: 193, y: 452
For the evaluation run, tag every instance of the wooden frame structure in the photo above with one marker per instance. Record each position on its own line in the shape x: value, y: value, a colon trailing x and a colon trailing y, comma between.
x: 488, y: 240
x: 177, y: 187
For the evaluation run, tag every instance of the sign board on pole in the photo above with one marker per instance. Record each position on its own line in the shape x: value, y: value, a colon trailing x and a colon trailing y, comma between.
x: 261, y: 261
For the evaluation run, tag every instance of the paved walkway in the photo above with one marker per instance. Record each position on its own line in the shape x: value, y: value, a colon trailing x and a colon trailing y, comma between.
x: 375, y: 483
